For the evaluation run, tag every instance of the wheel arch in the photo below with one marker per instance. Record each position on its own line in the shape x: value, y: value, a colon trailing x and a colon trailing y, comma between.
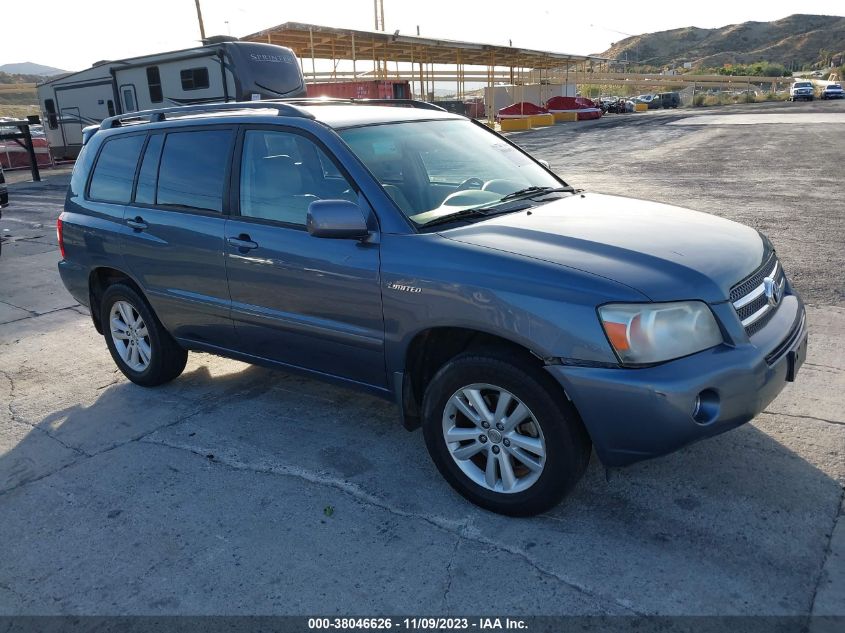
x: 431, y: 348
x: 101, y: 278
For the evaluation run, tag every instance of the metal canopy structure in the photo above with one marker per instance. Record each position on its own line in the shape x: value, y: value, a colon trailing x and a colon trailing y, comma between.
x: 323, y: 42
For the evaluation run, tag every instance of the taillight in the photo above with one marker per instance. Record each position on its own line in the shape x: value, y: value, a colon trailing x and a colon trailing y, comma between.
x: 61, y: 236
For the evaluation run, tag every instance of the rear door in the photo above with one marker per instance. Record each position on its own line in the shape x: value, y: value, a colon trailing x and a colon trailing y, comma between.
x: 309, y: 302
x: 107, y: 193
x: 175, y: 229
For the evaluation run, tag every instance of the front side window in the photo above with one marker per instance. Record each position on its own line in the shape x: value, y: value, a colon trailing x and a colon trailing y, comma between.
x: 194, y: 78
x: 115, y: 169
x: 283, y: 173
x: 192, y: 173
x: 154, y: 84
x: 432, y: 169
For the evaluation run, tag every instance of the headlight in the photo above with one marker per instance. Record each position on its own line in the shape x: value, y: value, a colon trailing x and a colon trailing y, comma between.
x: 643, y: 333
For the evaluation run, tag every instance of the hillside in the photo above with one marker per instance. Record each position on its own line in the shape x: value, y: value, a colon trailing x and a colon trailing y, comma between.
x: 30, y: 68
x: 795, y: 41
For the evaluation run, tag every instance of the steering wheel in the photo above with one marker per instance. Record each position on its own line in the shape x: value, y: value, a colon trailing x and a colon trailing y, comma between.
x: 470, y: 183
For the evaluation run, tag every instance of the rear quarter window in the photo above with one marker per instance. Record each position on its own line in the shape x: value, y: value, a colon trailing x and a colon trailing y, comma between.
x: 115, y: 169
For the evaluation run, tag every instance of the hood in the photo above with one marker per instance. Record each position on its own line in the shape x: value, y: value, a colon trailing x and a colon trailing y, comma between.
x: 666, y: 253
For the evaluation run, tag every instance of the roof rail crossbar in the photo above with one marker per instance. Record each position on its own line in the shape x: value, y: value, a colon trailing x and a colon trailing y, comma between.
x: 154, y: 116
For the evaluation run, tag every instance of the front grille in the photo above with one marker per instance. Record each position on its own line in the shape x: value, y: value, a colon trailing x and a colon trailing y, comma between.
x: 753, y: 280
x: 749, y: 297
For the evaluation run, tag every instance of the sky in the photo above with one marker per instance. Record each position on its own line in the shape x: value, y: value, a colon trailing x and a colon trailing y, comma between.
x: 73, y: 35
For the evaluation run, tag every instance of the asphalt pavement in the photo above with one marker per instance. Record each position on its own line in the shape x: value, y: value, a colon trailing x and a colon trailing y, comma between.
x: 242, y: 490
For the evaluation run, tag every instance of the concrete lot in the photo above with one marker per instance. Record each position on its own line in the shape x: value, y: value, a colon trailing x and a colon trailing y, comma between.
x: 237, y: 489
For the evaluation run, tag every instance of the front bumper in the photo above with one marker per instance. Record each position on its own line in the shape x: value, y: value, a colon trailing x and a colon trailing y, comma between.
x: 636, y: 414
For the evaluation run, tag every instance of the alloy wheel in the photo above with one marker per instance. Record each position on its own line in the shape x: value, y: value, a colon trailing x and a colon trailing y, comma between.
x: 494, y: 438
x: 130, y: 336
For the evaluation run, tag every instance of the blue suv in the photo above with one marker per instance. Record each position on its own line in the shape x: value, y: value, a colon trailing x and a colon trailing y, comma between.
x: 421, y: 257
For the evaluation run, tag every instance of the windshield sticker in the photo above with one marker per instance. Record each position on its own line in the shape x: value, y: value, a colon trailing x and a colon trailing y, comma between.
x: 385, y: 148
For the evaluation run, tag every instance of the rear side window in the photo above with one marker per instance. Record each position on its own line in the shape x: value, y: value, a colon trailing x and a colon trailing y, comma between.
x: 154, y: 84
x: 193, y: 169
x: 115, y: 169
x: 194, y: 78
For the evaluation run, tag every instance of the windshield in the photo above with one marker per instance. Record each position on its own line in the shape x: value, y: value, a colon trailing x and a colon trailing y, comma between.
x: 803, y: 85
x: 433, y: 169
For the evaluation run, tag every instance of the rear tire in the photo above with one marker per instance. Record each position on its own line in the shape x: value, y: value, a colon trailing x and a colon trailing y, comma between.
x: 535, y: 462
x: 142, y: 349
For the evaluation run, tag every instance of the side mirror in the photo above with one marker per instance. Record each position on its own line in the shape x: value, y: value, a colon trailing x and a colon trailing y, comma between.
x: 336, y: 219
x: 545, y: 164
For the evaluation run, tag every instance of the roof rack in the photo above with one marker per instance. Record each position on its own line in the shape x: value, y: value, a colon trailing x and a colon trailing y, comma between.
x: 154, y: 116
x: 284, y: 107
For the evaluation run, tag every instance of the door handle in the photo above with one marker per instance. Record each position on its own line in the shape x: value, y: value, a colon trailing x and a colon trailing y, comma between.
x: 242, y: 242
x: 137, y: 224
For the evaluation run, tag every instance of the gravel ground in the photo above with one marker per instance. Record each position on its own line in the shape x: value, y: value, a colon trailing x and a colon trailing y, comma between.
x: 783, y: 175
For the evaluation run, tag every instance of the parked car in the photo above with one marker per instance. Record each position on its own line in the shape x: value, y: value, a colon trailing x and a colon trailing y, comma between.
x: 668, y: 99
x: 801, y: 90
x: 652, y: 101
x: 833, y: 91
x: 417, y: 255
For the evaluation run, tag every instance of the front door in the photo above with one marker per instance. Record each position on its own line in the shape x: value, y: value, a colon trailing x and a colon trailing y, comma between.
x: 304, y: 301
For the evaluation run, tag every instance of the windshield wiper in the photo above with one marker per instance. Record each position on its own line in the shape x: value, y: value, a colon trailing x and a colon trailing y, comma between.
x: 477, y: 212
x: 458, y: 215
x: 533, y: 191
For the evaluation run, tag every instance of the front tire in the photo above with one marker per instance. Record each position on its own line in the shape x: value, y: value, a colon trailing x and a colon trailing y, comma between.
x: 502, y: 433
x: 140, y: 346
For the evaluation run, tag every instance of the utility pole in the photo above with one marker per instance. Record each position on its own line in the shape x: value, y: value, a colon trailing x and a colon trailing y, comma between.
x: 378, y: 9
x: 199, y: 17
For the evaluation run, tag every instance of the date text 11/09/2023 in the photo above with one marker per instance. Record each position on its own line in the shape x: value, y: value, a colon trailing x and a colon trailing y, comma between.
x: 420, y: 623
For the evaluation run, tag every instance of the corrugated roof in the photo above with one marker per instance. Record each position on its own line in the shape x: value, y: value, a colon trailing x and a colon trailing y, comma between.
x: 324, y: 42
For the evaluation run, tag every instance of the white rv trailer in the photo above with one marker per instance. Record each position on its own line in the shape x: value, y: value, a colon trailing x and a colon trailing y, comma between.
x: 224, y: 69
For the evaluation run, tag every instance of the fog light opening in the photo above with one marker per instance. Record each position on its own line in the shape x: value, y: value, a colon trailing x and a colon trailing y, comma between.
x: 705, y: 408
